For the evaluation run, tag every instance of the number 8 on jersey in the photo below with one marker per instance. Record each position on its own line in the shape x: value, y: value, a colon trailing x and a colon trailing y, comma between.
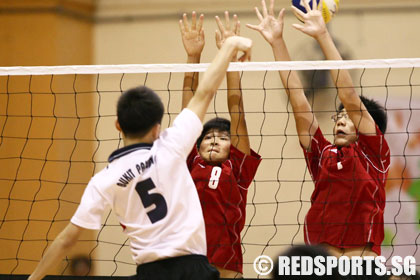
x: 214, y: 177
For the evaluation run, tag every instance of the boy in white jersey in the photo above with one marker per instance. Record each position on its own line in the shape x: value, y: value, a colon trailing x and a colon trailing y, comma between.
x: 148, y: 185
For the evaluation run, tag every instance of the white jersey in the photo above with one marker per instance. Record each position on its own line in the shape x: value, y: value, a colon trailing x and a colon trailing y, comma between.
x: 152, y: 193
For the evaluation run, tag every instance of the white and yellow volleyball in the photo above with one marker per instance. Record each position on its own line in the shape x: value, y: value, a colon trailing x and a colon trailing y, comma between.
x: 329, y: 8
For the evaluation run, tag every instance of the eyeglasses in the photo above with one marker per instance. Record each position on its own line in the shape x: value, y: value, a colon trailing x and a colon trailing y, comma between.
x: 338, y: 116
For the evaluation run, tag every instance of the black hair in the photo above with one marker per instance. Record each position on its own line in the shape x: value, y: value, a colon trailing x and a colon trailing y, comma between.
x: 138, y: 110
x: 220, y: 124
x: 376, y: 111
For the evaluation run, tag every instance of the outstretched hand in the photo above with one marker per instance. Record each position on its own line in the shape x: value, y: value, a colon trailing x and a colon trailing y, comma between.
x: 270, y: 27
x: 314, y: 24
x: 226, y: 31
x: 192, y: 36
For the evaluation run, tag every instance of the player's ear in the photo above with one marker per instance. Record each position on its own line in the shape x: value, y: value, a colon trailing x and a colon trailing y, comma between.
x: 117, y: 126
x: 156, y: 131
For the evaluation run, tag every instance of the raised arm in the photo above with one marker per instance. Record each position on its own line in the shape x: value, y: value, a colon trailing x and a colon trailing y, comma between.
x: 271, y: 28
x: 214, y: 75
x: 238, y: 129
x: 193, y: 41
x: 315, y: 27
x: 58, y: 249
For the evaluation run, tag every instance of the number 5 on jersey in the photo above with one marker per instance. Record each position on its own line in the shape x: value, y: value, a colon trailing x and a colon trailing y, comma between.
x: 214, y: 177
x: 149, y: 199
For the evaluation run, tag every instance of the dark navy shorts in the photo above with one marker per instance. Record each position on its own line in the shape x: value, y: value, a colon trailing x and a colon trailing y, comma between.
x: 190, y: 267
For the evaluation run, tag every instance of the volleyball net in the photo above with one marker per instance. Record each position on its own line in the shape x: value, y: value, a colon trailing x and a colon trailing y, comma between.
x: 57, y: 130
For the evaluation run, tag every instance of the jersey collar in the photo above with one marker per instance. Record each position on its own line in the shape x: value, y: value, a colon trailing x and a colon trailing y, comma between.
x: 128, y: 149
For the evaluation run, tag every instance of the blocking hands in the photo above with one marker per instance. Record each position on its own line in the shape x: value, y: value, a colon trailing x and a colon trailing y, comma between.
x: 192, y: 35
x: 270, y: 27
x: 227, y: 30
x: 229, y: 33
x: 313, y: 22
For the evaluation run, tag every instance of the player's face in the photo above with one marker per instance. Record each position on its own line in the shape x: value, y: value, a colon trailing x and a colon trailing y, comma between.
x: 344, y: 130
x: 215, y: 146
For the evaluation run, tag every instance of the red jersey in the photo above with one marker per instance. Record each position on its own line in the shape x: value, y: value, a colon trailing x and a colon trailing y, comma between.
x: 223, y: 190
x: 348, y: 201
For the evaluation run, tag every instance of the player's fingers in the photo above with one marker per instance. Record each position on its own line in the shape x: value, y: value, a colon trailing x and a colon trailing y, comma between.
x: 246, y: 56
x: 200, y: 23
x: 320, y: 5
x: 306, y: 5
x: 249, y: 52
x: 218, y: 37
x: 193, y: 21
x: 314, y: 5
x: 271, y: 9
x: 227, y: 20
x: 181, y: 27
x: 251, y: 26
x: 281, y: 14
x: 238, y: 28
x: 258, y: 14
x: 185, y: 21
x: 298, y: 26
x: 264, y: 8
x: 235, y: 25
x: 299, y: 12
x: 219, y: 24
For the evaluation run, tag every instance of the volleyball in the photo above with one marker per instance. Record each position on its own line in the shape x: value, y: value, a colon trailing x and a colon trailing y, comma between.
x: 329, y: 8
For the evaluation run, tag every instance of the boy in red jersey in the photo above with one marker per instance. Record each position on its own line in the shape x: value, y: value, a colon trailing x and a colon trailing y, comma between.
x: 348, y: 202
x: 222, y: 165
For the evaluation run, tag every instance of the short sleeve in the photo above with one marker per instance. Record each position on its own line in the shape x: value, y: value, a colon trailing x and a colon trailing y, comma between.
x: 89, y: 213
x: 184, y: 132
x: 312, y: 157
x: 244, y: 166
x: 375, y: 148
